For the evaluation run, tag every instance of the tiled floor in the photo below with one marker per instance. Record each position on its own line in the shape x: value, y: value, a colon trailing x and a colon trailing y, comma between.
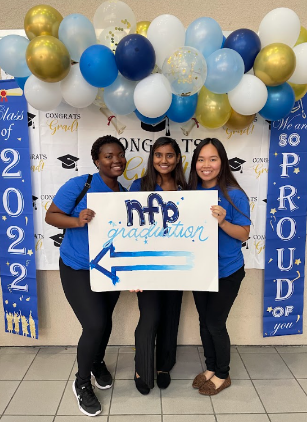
x: 268, y: 384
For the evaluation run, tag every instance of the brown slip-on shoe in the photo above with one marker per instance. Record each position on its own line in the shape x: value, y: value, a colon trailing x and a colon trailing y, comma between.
x: 199, y: 380
x: 208, y: 388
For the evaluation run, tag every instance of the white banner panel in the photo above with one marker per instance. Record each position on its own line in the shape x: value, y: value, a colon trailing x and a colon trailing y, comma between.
x: 153, y: 241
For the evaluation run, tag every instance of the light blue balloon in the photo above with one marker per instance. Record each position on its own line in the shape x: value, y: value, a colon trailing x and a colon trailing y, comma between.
x: 77, y: 33
x: 204, y: 34
x: 225, y: 69
x: 13, y: 55
x: 118, y: 96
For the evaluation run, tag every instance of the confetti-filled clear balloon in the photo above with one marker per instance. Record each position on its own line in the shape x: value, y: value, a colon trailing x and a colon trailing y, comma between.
x: 99, y: 100
x: 186, y: 71
x: 113, y: 20
x: 111, y: 36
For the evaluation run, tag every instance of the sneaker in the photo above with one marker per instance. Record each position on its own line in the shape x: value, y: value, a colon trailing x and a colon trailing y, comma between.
x: 87, y: 400
x: 103, y: 378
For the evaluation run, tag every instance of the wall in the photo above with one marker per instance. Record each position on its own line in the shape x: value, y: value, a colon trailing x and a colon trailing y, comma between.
x: 58, y: 325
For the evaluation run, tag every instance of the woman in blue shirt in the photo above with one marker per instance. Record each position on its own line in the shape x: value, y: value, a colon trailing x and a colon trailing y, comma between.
x: 93, y: 310
x: 159, y: 310
x: 210, y: 170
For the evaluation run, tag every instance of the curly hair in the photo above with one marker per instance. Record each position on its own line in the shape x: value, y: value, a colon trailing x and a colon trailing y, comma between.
x: 103, y: 140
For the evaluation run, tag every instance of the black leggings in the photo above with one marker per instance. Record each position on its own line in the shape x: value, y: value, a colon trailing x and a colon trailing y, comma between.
x: 94, y: 312
x: 159, y: 320
x: 213, y: 309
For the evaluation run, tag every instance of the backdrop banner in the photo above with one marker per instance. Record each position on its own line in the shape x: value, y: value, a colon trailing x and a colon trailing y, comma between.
x: 61, y: 143
x: 286, y: 225
x: 17, y: 257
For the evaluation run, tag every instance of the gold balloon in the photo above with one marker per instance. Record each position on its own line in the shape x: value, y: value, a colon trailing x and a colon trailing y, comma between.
x: 213, y: 110
x: 48, y: 58
x: 299, y: 90
x: 42, y: 20
x: 142, y: 28
x: 275, y: 64
x: 238, y: 121
x: 302, y: 37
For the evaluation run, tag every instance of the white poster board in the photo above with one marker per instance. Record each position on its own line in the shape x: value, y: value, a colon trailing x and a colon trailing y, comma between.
x: 153, y: 241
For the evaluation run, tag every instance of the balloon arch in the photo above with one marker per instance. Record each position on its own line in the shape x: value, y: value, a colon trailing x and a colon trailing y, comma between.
x: 158, y: 68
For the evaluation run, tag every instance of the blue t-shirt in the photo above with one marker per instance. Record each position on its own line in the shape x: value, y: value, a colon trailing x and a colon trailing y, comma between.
x: 229, y: 249
x: 74, y: 249
x: 136, y: 186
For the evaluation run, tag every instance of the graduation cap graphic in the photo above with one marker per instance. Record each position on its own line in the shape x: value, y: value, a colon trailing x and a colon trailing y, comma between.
x: 30, y: 120
x: 57, y: 239
x: 69, y: 161
x: 236, y: 164
x: 164, y: 125
x: 265, y: 200
x: 34, y: 199
x: 245, y: 244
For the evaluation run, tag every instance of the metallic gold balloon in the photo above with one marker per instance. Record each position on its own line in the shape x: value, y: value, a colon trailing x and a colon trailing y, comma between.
x: 213, y: 110
x: 48, y: 58
x: 299, y: 90
x: 302, y: 37
x: 275, y: 64
x: 42, y: 20
x: 238, y: 121
x: 142, y: 27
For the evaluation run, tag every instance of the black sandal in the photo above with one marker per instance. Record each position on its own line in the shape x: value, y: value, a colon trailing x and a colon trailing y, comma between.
x: 141, y: 386
x: 163, y: 379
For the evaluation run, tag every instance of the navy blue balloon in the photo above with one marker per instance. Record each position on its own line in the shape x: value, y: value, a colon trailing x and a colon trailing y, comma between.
x: 98, y: 67
x: 135, y: 57
x: 21, y: 82
x: 148, y: 120
x: 182, y: 109
x: 280, y: 102
x: 245, y: 42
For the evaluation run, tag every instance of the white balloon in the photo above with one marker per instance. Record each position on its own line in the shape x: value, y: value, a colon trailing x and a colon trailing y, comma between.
x: 280, y: 25
x: 300, y: 74
x: 249, y: 96
x: 153, y: 96
x: 166, y: 33
x: 76, y: 91
x: 42, y: 95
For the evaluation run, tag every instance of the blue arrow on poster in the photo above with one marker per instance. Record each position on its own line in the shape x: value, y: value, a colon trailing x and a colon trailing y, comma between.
x: 139, y: 267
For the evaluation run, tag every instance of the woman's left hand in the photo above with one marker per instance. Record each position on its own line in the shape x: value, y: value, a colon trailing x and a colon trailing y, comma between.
x: 219, y: 213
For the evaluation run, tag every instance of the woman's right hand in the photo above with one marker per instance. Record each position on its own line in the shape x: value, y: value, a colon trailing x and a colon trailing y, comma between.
x: 85, y: 217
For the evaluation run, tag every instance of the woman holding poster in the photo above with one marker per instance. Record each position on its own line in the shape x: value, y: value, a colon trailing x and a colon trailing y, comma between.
x: 210, y: 170
x: 94, y: 310
x: 159, y: 310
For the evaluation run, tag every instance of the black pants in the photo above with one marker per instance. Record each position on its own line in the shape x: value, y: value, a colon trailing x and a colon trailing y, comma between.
x: 159, y: 321
x: 213, y: 309
x: 94, y: 312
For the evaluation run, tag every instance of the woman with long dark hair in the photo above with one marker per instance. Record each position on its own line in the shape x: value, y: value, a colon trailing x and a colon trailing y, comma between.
x: 94, y: 310
x: 159, y: 310
x: 210, y: 170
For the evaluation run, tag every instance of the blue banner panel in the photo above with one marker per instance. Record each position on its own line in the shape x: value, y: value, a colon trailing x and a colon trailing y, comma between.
x: 17, y: 252
x: 286, y: 225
